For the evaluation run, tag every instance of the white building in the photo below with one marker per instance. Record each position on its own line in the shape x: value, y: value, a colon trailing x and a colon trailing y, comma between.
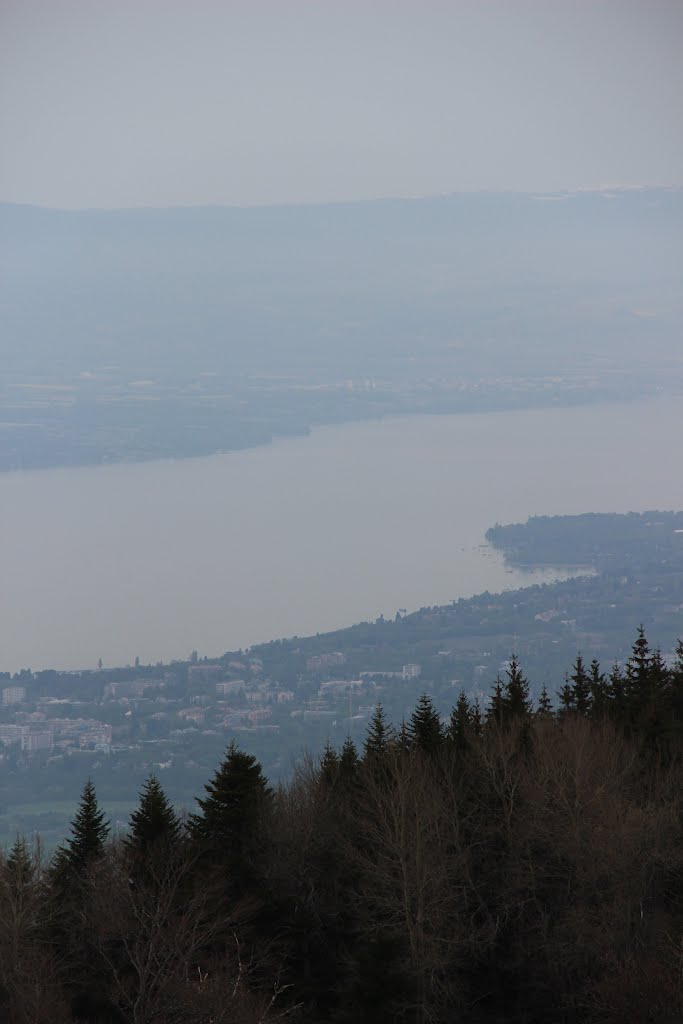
x: 36, y: 741
x: 13, y: 694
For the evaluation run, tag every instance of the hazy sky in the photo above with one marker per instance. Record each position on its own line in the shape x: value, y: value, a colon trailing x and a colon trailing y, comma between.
x: 144, y: 102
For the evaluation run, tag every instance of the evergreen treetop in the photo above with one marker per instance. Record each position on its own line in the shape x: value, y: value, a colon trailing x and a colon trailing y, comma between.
x: 545, y: 708
x: 329, y: 765
x: 476, y: 724
x: 403, y: 738
x: 234, y: 801
x: 380, y: 735
x: 154, y: 820
x: 599, y: 694
x: 348, y: 760
x: 516, y: 698
x: 581, y: 688
x: 566, y: 698
x: 495, y: 711
x: 640, y: 660
x: 425, y: 729
x: 89, y: 832
x: 459, y: 724
x: 20, y: 864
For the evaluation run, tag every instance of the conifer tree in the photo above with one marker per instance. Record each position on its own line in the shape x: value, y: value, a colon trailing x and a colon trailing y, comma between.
x: 154, y: 821
x: 495, y: 712
x: 545, y: 708
x: 639, y: 661
x: 616, y: 693
x: 403, y: 738
x: 516, y: 700
x: 425, y: 729
x: 348, y: 761
x: 380, y: 735
x: 70, y: 904
x: 566, y: 699
x: 89, y: 832
x: 675, y: 686
x: 235, y: 800
x: 329, y: 765
x: 599, y: 693
x: 228, y: 831
x: 459, y: 724
x: 660, y: 677
x: 638, y: 682
x: 658, y: 719
x: 20, y: 865
x: 476, y: 724
x: 581, y: 688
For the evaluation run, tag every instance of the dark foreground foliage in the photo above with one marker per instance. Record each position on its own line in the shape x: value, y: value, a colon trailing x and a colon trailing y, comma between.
x: 520, y: 865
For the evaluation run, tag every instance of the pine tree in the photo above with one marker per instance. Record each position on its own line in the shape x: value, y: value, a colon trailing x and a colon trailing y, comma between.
x: 495, y: 712
x: 658, y: 719
x: 459, y: 725
x: 70, y: 905
x: 616, y: 693
x: 380, y: 735
x: 676, y: 687
x: 425, y: 729
x: 545, y: 708
x: 581, y: 688
x: 154, y: 821
x: 329, y: 766
x: 516, y: 700
x: 637, y: 678
x: 20, y: 864
x: 348, y: 761
x: 89, y: 832
x: 476, y: 724
x: 639, y: 661
x: 599, y: 693
x: 235, y: 799
x: 403, y: 738
x: 660, y: 676
x: 565, y: 697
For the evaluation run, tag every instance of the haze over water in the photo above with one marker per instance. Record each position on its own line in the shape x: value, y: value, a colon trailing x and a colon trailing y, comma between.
x: 309, y: 534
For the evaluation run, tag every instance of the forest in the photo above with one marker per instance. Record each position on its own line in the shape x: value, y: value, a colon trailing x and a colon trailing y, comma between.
x: 518, y: 862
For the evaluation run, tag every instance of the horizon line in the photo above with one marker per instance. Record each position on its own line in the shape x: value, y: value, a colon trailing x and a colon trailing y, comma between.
x: 604, y: 189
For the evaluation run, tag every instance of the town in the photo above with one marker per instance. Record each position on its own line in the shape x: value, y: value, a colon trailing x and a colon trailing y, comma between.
x: 284, y: 700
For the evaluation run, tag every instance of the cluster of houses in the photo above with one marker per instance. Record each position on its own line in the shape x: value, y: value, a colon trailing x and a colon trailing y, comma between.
x: 218, y: 697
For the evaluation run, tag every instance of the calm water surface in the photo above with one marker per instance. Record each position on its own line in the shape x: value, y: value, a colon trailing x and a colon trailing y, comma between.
x: 153, y: 560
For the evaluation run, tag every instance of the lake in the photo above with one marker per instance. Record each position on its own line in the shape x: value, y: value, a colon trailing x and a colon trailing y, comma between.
x: 153, y: 560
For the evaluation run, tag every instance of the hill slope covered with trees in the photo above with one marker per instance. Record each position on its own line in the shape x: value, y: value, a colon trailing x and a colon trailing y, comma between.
x: 515, y: 863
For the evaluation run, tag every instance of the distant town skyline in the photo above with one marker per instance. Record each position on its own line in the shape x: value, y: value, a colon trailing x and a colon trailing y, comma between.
x: 245, y: 103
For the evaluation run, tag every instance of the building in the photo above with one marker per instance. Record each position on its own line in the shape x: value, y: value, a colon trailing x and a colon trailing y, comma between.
x: 33, y: 741
x: 323, y: 661
x: 204, y: 673
x: 339, y: 686
x: 233, y: 686
x: 10, y: 734
x: 13, y: 694
x: 412, y: 671
x: 131, y: 688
